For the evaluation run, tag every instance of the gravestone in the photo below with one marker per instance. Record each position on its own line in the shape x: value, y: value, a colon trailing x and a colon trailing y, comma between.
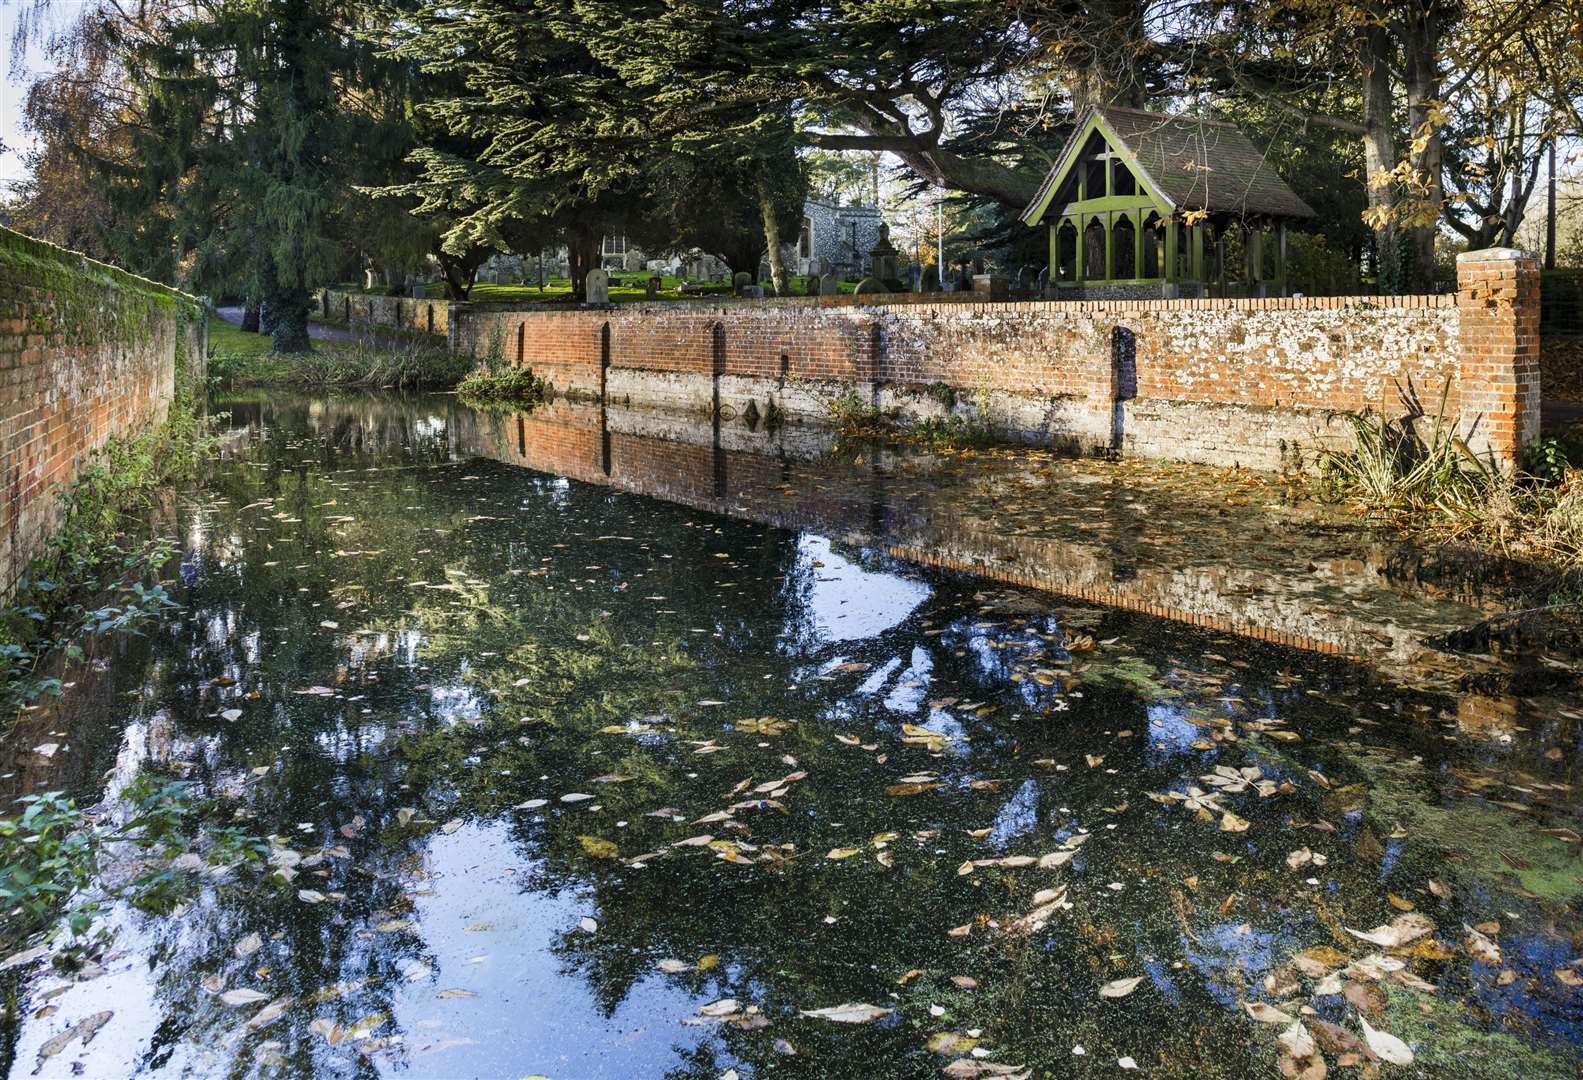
x: 652, y: 289
x: 990, y: 286
x: 598, y: 285
x: 871, y: 285
x: 829, y: 285
x: 741, y: 281
x: 914, y: 278
x: 884, y: 256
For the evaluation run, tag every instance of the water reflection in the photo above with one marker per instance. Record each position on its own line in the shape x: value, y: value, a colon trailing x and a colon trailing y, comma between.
x: 554, y: 769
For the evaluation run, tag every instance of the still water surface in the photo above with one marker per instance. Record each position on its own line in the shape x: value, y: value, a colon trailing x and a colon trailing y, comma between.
x: 574, y: 782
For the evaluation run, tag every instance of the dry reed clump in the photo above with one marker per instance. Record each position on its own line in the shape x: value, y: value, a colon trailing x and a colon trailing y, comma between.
x: 1418, y: 472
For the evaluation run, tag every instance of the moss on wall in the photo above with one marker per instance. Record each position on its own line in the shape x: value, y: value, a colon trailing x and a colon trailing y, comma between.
x: 87, y: 301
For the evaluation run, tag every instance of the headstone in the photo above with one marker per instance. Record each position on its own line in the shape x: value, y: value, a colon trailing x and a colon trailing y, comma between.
x: 829, y: 284
x: 914, y: 278
x: 368, y: 280
x: 754, y: 292
x: 884, y: 256
x: 991, y: 286
x: 652, y: 289
x: 598, y: 286
x: 931, y: 280
x: 870, y: 285
x: 741, y: 281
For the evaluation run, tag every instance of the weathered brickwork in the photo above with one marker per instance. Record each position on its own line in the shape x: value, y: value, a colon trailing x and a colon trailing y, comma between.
x: 1498, y: 302
x: 402, y: 312
x: 1252, y: 382
x: 87, y: 352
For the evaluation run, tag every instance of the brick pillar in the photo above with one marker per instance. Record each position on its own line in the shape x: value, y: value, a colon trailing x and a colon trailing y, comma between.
x: 1498, y: 339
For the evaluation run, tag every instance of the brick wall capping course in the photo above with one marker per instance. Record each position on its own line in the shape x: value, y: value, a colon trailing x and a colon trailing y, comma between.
x: 1498, y: 254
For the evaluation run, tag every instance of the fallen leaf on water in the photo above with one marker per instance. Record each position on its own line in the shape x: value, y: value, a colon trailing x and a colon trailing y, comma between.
x: 233, y: 998
x: 310, y: 896
x: 1481, y: 947
x: 674, y: 967
x: 1400, y: 931
x: 451, y: 826
x: 456, y: 993
x: 1267, y: 1014
x: 850, y: 1013
x: 1383, y: 1043
x: 268, y: 1014
x: 1120, y: 988
x: 1230, y: 822
x: 843, y: 852
x: 723, y: 1007
x: 248, y: 946
x: 587, y: 925
x: 598, y: 847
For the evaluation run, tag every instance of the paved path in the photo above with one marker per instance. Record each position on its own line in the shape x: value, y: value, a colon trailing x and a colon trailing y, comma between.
x: 316, y: 331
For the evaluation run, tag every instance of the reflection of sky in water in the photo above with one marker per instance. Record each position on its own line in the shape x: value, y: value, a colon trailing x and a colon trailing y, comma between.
x: 1019, y: 815
x: 913, y: 684
x: 845, y: 602
x: 512, y: 1028
x: 1231, y: 955
x: 1170, y: 733
x: 878, y: 677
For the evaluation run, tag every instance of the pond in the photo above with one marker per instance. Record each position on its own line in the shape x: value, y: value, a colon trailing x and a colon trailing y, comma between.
x: 613, y: 771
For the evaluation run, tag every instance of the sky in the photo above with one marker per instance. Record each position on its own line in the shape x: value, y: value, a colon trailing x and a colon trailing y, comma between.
x: 13, y: 83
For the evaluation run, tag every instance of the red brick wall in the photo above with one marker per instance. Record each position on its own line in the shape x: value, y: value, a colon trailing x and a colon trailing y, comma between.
x: 86, y: 352
x: 1232, y: 381
x: 1498, y: 305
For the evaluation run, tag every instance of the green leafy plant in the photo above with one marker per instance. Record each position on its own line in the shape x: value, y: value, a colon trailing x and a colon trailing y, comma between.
x: 491, y: 387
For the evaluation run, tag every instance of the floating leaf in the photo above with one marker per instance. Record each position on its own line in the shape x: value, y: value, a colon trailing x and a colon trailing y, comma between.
x: 233, y: 998
x: 1120, y: 988
x: 598, y: 847
x: 851, y: 1013
x: 1267, y: 1014
x: 1386, y: 1045
x: 1400, y: 931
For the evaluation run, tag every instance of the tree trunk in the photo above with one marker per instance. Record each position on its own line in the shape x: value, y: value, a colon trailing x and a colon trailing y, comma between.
x: 582, y: 255
x: 772, y: 238
x: 250, y: 307
x: 1379, y: 156
x: 289, y: 321
x: 1550, y: 210
x: 1421, y: 54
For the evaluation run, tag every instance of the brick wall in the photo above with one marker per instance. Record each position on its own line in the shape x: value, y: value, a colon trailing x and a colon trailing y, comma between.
x: 1250, y: 382
x: 87, y: 352
x: 403, y: 312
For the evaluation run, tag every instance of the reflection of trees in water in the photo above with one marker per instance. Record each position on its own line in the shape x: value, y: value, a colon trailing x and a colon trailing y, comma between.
x: 249, y: 622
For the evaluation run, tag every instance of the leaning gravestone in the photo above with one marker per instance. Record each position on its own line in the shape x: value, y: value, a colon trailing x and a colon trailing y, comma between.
x: 598, y: 287
x: 829, y: 285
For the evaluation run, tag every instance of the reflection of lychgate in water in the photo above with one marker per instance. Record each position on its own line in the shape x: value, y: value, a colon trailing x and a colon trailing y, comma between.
x: 708, y: 760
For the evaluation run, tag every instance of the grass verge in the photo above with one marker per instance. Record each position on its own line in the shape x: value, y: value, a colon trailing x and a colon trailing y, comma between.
x: 398, y: 365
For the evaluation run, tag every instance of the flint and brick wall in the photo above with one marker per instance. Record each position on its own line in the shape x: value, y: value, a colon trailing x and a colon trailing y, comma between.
x: 1251, y: 382
x: 87, y: 352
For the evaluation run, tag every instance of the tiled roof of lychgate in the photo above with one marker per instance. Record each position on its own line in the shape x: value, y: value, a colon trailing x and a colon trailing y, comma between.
x: 1196, y: 164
